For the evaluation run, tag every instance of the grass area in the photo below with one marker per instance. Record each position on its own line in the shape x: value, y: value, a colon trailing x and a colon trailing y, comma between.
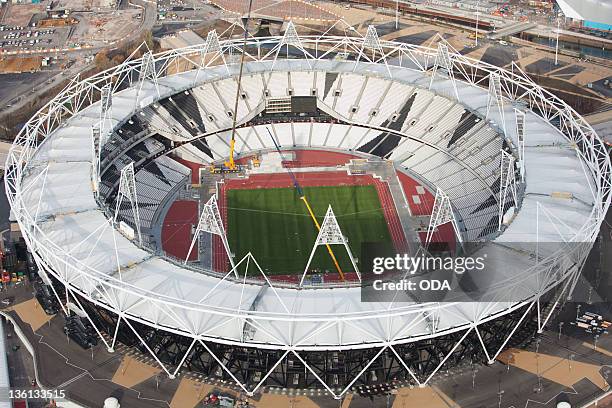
x: 275, y: 226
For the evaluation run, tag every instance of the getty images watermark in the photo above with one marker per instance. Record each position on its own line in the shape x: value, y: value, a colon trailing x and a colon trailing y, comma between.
x: 476, y: 272
x: 420, y: 276
x: 407, y: 266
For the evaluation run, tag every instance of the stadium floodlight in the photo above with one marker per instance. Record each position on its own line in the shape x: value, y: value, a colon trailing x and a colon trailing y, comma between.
x: 210, y: 221
x: 106, y: 105
x: 211, y: 50
x: 127, y: 189
x: 507, y: 183
x: 290, y: 38
x: 496, y: 96
x: 95, y: 157
x: 441, y: 214
x: 330, y: 234
x: 148, y: 72
x: 371, y: 42
x: 443, y: 61
x: 520, y: 137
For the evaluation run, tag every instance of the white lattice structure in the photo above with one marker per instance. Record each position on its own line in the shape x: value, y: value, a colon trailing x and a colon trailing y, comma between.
x: 444, y: 62
x: 441, y: 214
x: 210, y: 221
x: 127, y: 191
x: 371, y: 45
x: 330, y: 234
x: 507, y: 184
x: 520, y: 138
x: 496, y: 98
x: 49, y: 174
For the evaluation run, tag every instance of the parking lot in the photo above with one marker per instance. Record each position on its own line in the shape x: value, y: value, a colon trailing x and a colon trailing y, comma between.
x: 32, y: 39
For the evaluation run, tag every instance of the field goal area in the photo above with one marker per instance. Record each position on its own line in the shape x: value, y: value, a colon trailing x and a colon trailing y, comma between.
x: 266, y: 217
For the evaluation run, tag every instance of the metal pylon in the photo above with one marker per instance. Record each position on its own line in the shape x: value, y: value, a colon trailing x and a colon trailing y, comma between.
x: 127, y: 189
x: 496, y: 96
x: 106, y: 109
x: 291, y: 38
x: 443, y: 61
x: 441, y: 214
x: 213, y: 47
x: 95, y: 157
x: 371, y: 43
x: 147, y: 72
x: 210, y: 221
x: 330, y: 234
x: 507, y: 183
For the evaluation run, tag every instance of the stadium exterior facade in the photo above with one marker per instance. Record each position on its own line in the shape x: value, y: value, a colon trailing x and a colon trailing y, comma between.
x: 259, y: 333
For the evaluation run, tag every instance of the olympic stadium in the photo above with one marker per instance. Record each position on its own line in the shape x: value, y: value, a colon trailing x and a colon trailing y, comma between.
x: 128, y: 196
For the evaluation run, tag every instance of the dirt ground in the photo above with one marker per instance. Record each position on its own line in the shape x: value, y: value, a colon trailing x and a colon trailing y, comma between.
x: 85, y: 4
x: 107, y: 26
x: 21, y: 14
x: 56, y: 22
x: 20, y: 64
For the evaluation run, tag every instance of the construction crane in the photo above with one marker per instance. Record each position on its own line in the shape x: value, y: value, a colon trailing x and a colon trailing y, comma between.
x: 230, y: 165
x: 302, y: 196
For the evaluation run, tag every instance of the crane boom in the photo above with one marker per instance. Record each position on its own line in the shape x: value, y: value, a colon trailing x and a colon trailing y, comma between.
x: 302, y: 196
x: 230, y: 164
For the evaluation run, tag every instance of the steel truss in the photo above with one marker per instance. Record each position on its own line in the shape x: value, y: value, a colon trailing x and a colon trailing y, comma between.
x: 507, y: 185
x: 253, y: 369
x: 330, y: 234
x: 100, y: 299
x: 444, y: 62
x: 520, y: 136
x: 496, y: 97
x: 441, y: 214
x: 371, y: 43
x: 210, y: 221
x: 127, y: 190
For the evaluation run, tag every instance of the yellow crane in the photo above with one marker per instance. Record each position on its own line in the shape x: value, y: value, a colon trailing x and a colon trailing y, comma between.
x: 230, y: 164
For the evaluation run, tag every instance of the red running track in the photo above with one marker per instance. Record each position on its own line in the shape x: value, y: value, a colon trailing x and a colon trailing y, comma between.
x: 176, y: 229
x: 311, y: 179
x: 445, y: 233
x: 194, y: 167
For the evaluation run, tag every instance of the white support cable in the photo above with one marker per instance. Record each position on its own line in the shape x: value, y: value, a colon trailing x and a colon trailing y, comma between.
x: 496, y: 97
x: 441, y: 214
x: 507, y: 184
x: 443, y: 61
x: 512, y: 332
x: 127, y: 189
x: 330, y: 234
x: 210, y: 221
x: 89, y: 319
x: 520, y: 137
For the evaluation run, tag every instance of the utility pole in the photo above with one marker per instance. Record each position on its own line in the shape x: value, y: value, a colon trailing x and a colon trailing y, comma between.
x: 557, y: 45
x: 396, y: 14
x: 477, y: 14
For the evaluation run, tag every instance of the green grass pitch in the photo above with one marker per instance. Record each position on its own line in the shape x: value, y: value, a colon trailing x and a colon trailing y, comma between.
x: 275, y: 226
